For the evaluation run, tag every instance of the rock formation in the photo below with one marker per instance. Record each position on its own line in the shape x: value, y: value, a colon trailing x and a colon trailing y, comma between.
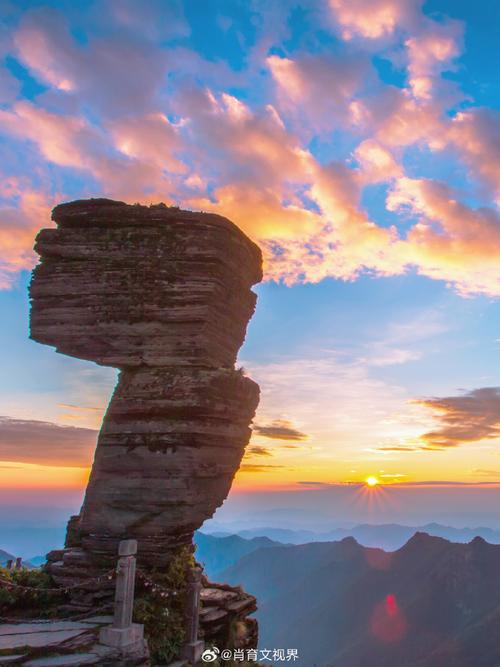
x: 164, y: 295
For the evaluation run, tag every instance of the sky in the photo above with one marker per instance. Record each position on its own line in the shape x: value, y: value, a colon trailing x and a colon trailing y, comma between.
x: 358, y: 142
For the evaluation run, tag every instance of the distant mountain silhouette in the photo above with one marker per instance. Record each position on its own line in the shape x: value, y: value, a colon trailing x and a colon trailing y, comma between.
x: 432, y: 603
x: 389, y: 536
x: 218, y: 553
x: 37, y: 561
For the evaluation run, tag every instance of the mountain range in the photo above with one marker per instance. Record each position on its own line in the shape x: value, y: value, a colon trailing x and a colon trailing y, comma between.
x: 431, y: 603
x: 390, y: 536
x: 218, y: 553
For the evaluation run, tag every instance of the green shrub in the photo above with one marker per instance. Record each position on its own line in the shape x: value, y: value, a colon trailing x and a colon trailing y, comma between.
x: 38, y: 602
x: 164, y: 615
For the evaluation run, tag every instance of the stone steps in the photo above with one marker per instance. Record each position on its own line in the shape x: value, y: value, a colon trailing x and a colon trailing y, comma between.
x: 62, y: 643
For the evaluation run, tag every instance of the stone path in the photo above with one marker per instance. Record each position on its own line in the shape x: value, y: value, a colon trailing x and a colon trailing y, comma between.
x: 59, y: 643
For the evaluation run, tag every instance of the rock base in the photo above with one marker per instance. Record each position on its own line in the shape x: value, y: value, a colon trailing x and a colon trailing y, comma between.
x: 225, y: 616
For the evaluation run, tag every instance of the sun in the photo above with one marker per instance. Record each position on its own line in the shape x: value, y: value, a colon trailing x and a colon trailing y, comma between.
x: 371, y: 481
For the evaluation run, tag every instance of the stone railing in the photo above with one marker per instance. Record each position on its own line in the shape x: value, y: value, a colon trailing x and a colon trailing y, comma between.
x: 123, y: 632
x: 126, y: 635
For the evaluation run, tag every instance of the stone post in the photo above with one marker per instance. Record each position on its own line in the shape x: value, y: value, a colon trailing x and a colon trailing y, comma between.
x: 123, y: 633
x: 19, y: 563
x: 9, y: 564
x: 194, y: 647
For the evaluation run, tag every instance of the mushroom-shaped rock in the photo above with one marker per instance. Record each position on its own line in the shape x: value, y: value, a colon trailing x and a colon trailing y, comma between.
x: 165, y: 296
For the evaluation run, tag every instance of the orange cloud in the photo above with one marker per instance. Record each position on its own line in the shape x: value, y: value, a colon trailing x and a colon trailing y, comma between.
x: 261, y: 212
x: 451, y: 241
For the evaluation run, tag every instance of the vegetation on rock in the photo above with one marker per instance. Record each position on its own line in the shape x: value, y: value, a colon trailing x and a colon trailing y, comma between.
x: 37, y: 600
x: 160, y: 604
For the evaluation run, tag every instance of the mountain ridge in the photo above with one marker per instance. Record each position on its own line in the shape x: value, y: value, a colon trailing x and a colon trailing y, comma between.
x: 432, y: 602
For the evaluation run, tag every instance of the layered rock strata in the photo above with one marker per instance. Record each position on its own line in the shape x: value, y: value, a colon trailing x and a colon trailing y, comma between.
x: 165, y: 296
x: 225, y: 616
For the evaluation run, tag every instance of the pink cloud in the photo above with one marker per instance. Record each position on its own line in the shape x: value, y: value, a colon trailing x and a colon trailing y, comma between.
x: 475, y: 134
x: 322, y: 87
x: 151, y: 138
x: 241, y: 145
x: 430, y: 53
x: 116, y: 73
x: 72, y: 142
x: 64, y: 140
x: 373, y: 19
x: 377, y: 162
x: 22, y: 212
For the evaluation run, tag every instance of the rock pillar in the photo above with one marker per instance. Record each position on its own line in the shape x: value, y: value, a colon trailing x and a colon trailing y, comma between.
x: 165, y: 296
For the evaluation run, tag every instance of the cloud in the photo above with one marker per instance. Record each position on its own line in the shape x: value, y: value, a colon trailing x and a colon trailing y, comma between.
x: 318, y: 484
x: 150, y: 138
x: 451, y: 241
x: 430, y: 53
x: 391, y: 356
x: 120, y: 71
x: 157, y: 19
x: 392, y: 475
x: 321, y: 87
x: 445, y: 483
x: 377, y: 162
x: 260, y: 149
x: 256, y: 467
x: 486, y: 473
x: 256, y: 450
x: 279, y: 429
x: 310, y: 388
x: 46, y: 443
x: 398, y: 448
x: 475, y: 136
x: 21, y: 211
x: 68, y: 141
x: 114, y: 159
x: 373, y: 19
x: 129, y: 116
x: 471, y: 417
